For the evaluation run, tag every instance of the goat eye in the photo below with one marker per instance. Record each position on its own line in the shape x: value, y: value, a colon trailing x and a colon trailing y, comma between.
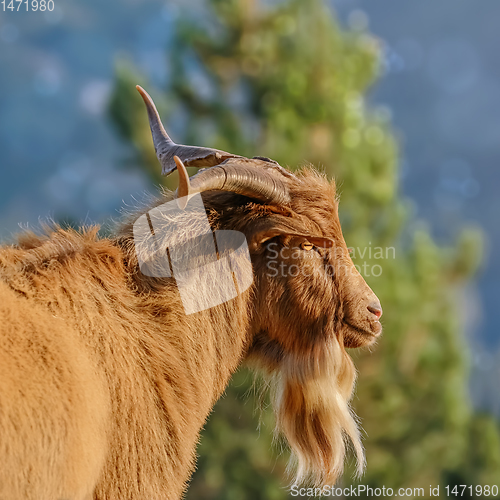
x: 306, y: 245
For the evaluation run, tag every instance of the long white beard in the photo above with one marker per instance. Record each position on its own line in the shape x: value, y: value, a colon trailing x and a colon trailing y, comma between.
x: 311, y: 404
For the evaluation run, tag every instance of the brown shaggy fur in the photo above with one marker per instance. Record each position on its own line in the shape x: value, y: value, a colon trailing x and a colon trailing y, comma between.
x: 105, y: 383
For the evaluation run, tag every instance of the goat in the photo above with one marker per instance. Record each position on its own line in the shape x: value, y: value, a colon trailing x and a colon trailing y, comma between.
x: 106, y: 382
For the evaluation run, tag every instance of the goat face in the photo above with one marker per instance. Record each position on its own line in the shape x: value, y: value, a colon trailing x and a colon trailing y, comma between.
x: 308, y: 283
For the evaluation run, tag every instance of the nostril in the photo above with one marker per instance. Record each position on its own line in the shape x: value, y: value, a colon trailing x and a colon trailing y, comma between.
x: 376, y: 309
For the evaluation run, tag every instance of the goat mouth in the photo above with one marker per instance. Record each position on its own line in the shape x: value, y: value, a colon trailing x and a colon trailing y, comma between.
x: 374, y: 330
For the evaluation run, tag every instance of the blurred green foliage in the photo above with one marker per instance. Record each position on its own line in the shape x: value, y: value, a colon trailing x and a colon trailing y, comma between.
x: 287, y: 82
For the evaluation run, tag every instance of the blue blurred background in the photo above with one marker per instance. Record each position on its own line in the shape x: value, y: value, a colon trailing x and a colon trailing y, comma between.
x: 61, y: 158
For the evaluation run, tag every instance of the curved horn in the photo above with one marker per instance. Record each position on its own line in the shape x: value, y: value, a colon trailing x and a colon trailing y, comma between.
x: 252, y: 178
x: 166, y: 149
x: 184, y: 188
x: 259, y: 178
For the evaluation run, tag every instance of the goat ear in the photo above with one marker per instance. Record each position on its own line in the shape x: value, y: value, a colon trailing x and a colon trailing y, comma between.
x: 264, y: 234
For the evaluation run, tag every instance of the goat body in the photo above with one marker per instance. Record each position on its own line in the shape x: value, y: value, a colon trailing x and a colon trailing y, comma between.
x: 103, y: 390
